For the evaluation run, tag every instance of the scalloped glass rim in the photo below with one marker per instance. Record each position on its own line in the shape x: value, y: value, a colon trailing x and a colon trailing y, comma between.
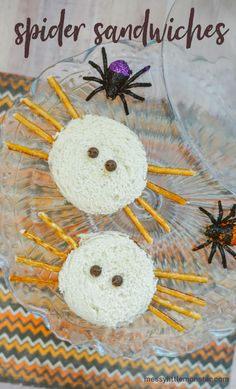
x: 27, y: 188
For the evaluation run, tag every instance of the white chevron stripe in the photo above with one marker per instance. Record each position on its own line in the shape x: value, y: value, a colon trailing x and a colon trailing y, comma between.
x: 3, y: 287
x: 33, y: 343
x: 11, y: 96
x: 47, y: 362
x: 170, y: 362
x: 19, y: 310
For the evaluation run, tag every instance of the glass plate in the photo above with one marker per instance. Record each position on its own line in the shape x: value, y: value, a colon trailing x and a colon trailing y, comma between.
x: 28, y: 188
x: 201, y: 86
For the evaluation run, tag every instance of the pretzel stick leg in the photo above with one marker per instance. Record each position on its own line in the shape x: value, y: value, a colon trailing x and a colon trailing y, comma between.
x: 34, y: 263
x: 181, y: 295
x: 33, y: 127
x: 32, y: 280
x: 41, y: 112
x: 166, y: 193
x: 44, y: 244
x: 170, y: 170
x: 171, y: 322
x: 154, y: 214
x: 138, y: 224
x: 166, y: 303
x: 49, y: 222
x: 27, y: 151
x: 63, y: 97
x: 180, y: 276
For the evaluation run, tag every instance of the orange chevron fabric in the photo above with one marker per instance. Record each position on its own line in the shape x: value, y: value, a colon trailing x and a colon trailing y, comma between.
x: 31, y: 354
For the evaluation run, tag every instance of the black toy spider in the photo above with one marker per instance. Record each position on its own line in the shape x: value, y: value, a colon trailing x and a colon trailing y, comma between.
x: 116, y: 81
x: 221, y: 234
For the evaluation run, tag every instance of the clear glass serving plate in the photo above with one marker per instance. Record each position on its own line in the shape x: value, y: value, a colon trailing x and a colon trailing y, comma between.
x: 27, y: 188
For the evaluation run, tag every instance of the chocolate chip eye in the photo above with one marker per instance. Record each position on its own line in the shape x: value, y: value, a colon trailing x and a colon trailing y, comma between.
x: 95, y: 271
x: 117, y: 281
x: 110, y: 165
x: 93, y: 152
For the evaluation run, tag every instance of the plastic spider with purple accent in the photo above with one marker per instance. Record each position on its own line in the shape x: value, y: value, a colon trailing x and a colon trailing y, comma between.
x: 116, y: 80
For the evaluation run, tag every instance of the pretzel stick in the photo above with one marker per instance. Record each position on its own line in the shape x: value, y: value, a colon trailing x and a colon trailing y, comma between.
x: 166, y: 303
x: 170, y: 170
x: 34, y: 263
x: 32, y: 280
x: 44, y: 244
x: 166, y: 193
x: 46, y: 219
x: 154, y: 214
x: 63, y: 97
x: 171, y: 322
x: 181, y: 295
x: 27, y: 150
x: 33, y: 127
x: 41, y: 112
x: 138, y: 224
x: 180, y: 276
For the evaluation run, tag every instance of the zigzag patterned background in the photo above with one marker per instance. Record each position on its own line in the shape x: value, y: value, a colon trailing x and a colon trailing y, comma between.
x: 31, y: 354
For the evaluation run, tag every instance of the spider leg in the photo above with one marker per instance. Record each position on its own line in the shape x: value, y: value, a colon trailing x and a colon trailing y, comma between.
x: 222, y: 252
x: 104, y: 58
x: 211, y: 217
x: 32, y: 280
x: 27, y: 150
x: 163, y: 223
x: 35, y: 108
x: 138, y: 84
x: 140, y: 227
x: 94, y: 92
x: 212, y: 253
x: 97, y: 67
x: 136, y: 75
x: 231, y: 214
x: 39, y: 264
x: 201, y: 246
x: 170, y: 170
x: 221, y: 212
x: 63, y: 97
x: 132, y: 94
x: 60, y: 232
x: 122, y: 97
x: 230, y: 251
x: 33, y: 127
x: 93, y: 79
